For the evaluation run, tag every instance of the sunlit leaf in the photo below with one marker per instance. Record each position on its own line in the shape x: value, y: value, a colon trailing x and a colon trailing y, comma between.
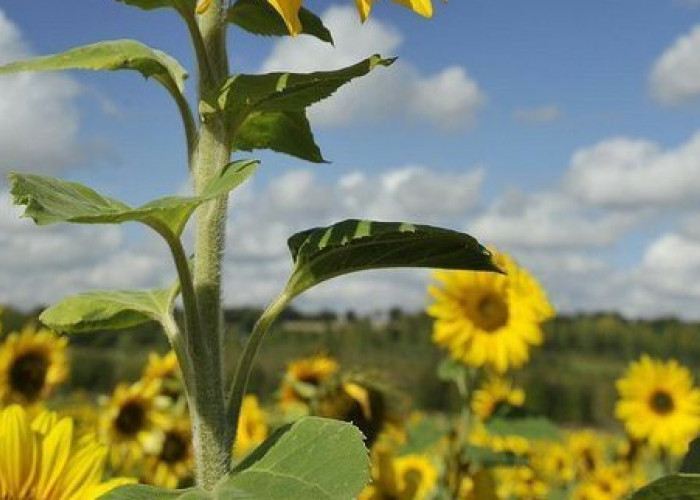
x: 527, y: 427
x: 48, y: 200
x: 108, y: 310
x: 355, y: 245
x: 312, y: 458
x: 109, y: 55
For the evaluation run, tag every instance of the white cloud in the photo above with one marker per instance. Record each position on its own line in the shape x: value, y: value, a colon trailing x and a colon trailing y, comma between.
x: 547, y: 220
x: 542, y: 114
x: 675, y: 76
x: 636, y: 173
x: 263, y: 218
x: 448, y: 99
x: 39, y: 124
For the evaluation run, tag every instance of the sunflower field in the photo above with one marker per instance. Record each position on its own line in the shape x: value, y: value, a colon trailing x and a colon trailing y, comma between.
x: 461, y: 401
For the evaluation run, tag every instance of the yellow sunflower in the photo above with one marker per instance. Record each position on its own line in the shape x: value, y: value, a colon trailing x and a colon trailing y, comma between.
x: 173, y: 461
x: 520, y: 482
x: 32, y: 364
x: 40, y: 459
x: 409, y: 477
x: 252, y: 427
x: 289, y: 10
x: 509, y: 443
x: 493, y: 394
x: 303, y: 377
x: 489, y: 319
x: 586, y: 450
x: 553, y: 462
x: 132, y: 423
x: 659, y: 404
x: 608, y: 482
x: 166, y: 370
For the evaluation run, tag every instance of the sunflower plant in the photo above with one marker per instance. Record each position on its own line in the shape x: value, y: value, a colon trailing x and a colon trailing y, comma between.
x: 233, y: 113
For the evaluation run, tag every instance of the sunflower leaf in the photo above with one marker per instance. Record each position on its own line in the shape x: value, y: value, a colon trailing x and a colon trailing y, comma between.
x: 323, y: 253
x: 109, y: 310
x: 49, y: 200
x: 311, y: 458
x: 674, y: 487
x: 110, y: 55
x: 269, y: 111
x: 285, y: 132
x: 144, y: 492
x: 260, y: 18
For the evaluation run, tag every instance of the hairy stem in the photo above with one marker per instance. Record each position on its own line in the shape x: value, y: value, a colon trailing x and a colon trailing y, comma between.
x: 212, y: 431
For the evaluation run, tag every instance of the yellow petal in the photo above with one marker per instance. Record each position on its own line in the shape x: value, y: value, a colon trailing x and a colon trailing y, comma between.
x: 422, y: 7
x: 289, y: 10
x: 202, y: 6
x: 55, y: 450
x: 363, y: 7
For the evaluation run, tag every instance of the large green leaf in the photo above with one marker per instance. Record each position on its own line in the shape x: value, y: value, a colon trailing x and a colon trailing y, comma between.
x: 268, y: 111
x: 159, y: 4
x: 108, y: 310
x: 675, y: 487
x: 286, y: 132
x: 49, y: 200
x: 314, y: 458
x: 260, y: 18
x: 143, y: 492
x: 244, y: 93
x: 354, y: 245
x: 110, y: 55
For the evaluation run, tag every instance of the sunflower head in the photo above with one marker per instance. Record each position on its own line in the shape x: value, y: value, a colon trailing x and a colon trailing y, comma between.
x: 40, y: 458
x: 496, y: 393
x: 521, y: 481
x: 586, y: 451
x: 659, y: 404
x: 303, y: 379
x: 173, y: 460
x: 32, y: 363
x: 166, y: 370
x: 252, y: 427
x: 412, y: 476
x: 132, y: 422
x: 488, y: 319
x: 366, y: 403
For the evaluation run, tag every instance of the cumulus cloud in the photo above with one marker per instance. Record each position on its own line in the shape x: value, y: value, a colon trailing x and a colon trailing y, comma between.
x: 675, y: 76
x: 262, y: 218
x: 43, y: 264
x: 39, y: 126
x: 449, y: 98
x: 637, y: 173
x: 548, y: 220
x: 533, y: 116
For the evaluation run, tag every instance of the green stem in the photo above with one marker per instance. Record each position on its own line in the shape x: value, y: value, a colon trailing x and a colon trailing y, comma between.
x: 212, y: 431
x: 245, y: 363
x: 187, y: 119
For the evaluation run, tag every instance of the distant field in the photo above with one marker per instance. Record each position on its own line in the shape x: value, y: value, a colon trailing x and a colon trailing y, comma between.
x: 570, y: 379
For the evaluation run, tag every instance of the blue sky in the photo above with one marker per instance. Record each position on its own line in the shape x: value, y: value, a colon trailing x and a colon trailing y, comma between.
x: 562, y: 132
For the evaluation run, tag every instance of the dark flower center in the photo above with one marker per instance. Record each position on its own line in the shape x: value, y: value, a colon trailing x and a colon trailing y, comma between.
x: 28, y: 374
x: 175, y: 447
x: 661, y: 402
x: 492, y: 311
x: 131, y: 418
